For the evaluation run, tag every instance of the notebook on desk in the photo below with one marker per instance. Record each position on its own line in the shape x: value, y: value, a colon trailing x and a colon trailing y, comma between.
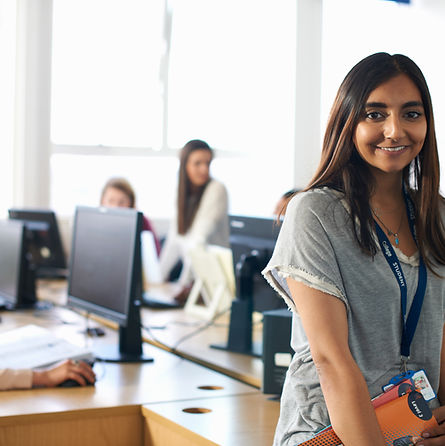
x: 32, y: 346
x: 156, y: 294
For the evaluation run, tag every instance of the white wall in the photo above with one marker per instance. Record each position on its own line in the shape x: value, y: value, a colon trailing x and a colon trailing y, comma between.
x: 32, y: 103
x: 7, y: 82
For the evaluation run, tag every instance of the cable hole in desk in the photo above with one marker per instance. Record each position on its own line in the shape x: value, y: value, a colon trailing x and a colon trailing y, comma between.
x: 196, y: 410
x: 210, y: 387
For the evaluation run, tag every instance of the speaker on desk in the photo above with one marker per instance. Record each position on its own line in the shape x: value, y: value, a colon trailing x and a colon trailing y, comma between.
x: 277, y: 352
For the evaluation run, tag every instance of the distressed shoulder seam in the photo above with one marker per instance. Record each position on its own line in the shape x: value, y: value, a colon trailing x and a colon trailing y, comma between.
x: 304, y: 277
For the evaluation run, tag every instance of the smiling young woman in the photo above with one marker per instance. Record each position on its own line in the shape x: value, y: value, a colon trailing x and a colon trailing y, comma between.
x: 357, y: 247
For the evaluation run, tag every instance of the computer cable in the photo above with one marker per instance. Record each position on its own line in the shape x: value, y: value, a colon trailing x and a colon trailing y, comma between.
x: 200, y: 329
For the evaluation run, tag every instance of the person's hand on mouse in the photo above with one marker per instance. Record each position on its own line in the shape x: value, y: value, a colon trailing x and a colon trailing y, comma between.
x: 79, y: 371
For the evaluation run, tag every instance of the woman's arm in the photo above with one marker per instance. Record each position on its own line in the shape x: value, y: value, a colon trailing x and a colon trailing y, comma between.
x: 50, y: 377
x: 344, y: 388
x: 15, y: 379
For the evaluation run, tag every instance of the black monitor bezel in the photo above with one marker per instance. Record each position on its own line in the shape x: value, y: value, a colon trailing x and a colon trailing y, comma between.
x: 25, y: 283
x: 48, y: 216
x: 130, y: 348
x: 120, y: 317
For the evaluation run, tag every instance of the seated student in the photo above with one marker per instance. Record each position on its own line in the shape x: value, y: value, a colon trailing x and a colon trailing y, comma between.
x: 26, y: 378
x: 118, y: 192
x: 201, y: 211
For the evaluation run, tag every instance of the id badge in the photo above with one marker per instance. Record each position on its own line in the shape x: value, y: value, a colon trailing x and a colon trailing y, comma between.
x: 419, y: 381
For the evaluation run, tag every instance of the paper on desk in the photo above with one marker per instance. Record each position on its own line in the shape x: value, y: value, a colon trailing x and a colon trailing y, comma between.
x: 32, y: 346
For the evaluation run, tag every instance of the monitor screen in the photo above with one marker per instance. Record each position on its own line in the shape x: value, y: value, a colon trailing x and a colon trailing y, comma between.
x: 45, y: 248
x: 105, y: 271
x: 17, y: 284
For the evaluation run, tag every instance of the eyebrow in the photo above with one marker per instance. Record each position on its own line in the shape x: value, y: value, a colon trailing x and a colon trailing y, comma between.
x: 383, y: 105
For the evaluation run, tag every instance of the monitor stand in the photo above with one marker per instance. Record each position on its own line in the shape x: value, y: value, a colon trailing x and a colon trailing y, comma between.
x: 111, y: 353
x: 240, y: 329
x: 40, y: 305
x: 130, y: 343
x: 26, y: 298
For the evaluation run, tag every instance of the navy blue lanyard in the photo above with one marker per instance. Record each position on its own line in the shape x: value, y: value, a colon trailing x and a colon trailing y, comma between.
x: 410, y: 322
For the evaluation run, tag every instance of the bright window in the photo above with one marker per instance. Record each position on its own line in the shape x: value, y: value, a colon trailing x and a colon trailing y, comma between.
x: 106, y: 87
x: 145, y: 74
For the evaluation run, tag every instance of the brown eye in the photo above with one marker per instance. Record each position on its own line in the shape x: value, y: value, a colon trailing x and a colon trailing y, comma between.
x: 413, y: 114
x: 374, y: 115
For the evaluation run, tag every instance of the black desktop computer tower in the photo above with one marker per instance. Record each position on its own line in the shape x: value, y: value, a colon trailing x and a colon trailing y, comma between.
x: 277, y: 352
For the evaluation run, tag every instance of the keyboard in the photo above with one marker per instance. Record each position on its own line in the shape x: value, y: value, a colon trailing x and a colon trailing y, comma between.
x: 46, y: 272
x: 162, y: 295
x: 153, y: 301
x: 32, y: 346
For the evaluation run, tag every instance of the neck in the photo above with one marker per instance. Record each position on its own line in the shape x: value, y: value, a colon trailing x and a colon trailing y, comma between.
x: 388, y: 193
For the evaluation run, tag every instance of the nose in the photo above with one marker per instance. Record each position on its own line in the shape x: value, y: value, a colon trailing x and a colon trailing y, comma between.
x: 393, y: 128
x: 204, y: 168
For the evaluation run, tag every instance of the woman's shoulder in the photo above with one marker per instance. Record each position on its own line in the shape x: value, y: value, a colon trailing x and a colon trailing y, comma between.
x: 216, y: 187
x: 316, y: 201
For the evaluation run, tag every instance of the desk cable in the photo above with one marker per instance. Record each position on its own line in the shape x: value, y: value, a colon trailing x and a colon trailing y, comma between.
x: 189, y: 335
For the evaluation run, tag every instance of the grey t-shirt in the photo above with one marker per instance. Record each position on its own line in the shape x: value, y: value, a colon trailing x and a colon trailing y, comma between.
x: 316, y: 246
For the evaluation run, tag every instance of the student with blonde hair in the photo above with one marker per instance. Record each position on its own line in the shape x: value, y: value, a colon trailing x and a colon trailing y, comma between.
x: 118, y: 192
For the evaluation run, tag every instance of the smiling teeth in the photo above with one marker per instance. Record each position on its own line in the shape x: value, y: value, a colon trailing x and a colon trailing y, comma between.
x: 392, y: 149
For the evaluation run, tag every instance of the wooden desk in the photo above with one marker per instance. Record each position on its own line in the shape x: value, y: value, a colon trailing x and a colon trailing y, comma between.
x: 178, y: 324
x: 247, y: 420
x: 110, y: 413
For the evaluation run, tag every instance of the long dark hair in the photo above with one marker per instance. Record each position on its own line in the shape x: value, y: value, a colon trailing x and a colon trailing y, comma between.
x: 187, y: 207
x: 343, y: 169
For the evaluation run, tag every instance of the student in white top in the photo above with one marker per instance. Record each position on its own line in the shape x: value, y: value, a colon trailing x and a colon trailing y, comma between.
x: 26, y: 378
x: 201, y: 211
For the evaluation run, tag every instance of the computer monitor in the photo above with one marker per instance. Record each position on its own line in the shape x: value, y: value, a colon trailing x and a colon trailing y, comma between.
x: 17, y: 279
x: 252, y: 240
x: 45, y: 248
x: 105, y: 274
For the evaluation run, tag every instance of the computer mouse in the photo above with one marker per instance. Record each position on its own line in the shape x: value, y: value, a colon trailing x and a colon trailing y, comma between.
x: 72, y: 383
x: 95, y: 332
